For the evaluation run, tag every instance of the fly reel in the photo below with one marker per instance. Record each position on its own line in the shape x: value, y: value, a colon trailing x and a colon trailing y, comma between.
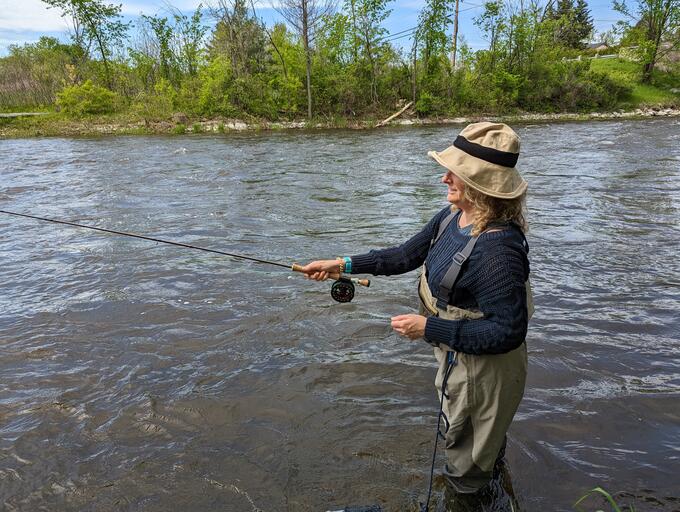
x: 342, y: 290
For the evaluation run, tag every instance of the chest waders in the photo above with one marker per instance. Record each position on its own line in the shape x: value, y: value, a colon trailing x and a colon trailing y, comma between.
x: 479, y: 394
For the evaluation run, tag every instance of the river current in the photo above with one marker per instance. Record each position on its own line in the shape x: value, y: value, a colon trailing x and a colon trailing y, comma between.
x: 138, y: 376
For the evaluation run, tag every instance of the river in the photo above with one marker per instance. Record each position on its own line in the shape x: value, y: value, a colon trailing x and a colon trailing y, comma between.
x: 138, y: 376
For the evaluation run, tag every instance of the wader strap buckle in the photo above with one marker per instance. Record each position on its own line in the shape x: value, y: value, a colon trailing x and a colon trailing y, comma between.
x: 459, y: 258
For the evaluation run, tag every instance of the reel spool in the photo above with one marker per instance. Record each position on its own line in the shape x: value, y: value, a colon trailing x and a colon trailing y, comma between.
x: 342, y: 290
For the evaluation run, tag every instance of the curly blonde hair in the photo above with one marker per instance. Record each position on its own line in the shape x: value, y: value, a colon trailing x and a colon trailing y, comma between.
x: 493, y: 209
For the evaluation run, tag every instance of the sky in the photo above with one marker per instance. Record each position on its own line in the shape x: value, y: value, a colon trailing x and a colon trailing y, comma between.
x: 24, y: 21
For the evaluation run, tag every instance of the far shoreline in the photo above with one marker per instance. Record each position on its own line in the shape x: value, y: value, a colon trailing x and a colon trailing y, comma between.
x: 53, y: 125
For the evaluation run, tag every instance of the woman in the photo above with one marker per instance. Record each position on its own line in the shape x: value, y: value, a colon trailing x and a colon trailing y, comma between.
x: 475, y: 299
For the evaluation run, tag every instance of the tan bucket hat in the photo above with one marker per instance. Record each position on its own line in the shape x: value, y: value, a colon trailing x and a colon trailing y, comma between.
x: 484, y: 156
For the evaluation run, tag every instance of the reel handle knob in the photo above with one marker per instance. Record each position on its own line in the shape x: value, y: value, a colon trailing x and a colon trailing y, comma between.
x: 336, y: 276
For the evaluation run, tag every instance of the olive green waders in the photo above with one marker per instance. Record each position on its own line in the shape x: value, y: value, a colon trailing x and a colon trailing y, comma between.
x: 482, y: 396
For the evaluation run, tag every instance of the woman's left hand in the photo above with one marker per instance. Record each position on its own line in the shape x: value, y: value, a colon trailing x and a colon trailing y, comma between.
x: 412, y: 326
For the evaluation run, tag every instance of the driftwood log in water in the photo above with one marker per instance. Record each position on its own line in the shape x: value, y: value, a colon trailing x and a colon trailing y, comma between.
x: 21, y: 114
x: 384, y: 122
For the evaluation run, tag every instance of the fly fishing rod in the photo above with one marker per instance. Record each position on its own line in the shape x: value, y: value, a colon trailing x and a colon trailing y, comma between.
x: 342, y: 290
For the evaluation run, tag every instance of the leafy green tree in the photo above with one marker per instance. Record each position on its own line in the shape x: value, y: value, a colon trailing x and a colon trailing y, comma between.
x: 367, y: 23
x: 492, y: 23
x: 433, y: 22
x: 653, y: 26
x: 162, y: 47
x: 306, y: 17
x: 287, y: 81
x: 239, y: 36
x: 189, y: 39
x: 97, y: 23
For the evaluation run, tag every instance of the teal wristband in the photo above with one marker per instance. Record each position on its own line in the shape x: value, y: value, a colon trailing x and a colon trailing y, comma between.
x: 348, y: 264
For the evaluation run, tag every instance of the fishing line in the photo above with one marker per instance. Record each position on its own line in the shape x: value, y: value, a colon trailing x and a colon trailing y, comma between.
x: 342, y: 289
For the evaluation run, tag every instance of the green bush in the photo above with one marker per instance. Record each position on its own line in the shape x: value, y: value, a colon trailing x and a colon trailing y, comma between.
x: 568, y: 86
x: 425, y: 104
x: 87, y: 98
x: 251, y: 95
x: 214, y: 91
x: 506, y: 89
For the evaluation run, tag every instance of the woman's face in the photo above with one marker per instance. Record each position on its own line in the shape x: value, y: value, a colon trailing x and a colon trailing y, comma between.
x: 455, y: 188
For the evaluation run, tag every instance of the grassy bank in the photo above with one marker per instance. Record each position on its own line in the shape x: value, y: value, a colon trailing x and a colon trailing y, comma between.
x: 642, y: 95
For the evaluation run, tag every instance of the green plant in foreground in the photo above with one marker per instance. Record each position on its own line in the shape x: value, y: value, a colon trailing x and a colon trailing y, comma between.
x: 607, y: 496
x: 180, y: 129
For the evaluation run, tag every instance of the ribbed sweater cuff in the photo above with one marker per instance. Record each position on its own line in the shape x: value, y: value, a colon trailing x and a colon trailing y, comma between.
x: 363, y: 264
x: 438, y: 330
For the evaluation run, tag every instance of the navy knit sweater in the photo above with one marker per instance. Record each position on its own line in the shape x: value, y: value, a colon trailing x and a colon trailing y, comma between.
x: 491, y: 280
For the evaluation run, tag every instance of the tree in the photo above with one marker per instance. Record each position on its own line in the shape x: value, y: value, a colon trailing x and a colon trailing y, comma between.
x: 32, y: 74
x: 369, y: 15
x: 95, y: 23
x: 189, y: 34
x: 306, y: 16
x: 239, y: 36
x: 650, y: 23
x: 433, y: 22
x: 161, y: 46
x: 583, y: 21
x: 491, y: 21
x: 573, y: 22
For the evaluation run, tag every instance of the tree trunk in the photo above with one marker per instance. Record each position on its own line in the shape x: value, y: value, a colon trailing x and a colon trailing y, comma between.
x: 354, y: 33
x: 415, y: 66
x: 369, y: 51
x: 308, y: 57
x: 455, y: 38
x: 656, y: 29
x: 102, y: 51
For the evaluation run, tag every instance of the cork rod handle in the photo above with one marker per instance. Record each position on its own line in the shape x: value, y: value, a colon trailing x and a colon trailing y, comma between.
x: 335, y: 275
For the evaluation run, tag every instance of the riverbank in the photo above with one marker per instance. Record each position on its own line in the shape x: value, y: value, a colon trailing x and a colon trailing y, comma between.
x: 58, y: 125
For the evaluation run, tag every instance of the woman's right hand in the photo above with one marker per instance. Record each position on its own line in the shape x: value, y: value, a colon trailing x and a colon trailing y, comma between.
x: 319, y: 269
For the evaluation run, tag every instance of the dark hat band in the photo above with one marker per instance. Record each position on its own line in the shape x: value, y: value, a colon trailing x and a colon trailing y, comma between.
x: 490, y: 155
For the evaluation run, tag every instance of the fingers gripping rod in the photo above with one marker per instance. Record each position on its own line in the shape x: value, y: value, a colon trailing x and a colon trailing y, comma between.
x: 336, y: 276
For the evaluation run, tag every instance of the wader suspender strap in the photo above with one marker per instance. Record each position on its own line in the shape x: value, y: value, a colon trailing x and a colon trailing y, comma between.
x: 449, y: 279
x: 442, y: 226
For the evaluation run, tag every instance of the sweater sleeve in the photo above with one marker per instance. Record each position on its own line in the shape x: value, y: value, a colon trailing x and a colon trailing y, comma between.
x: 403, y: 258
x: 500, y: 292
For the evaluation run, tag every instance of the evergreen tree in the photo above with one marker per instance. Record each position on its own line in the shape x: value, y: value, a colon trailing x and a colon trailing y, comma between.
x: 573, y: 23
x: 584, y: 27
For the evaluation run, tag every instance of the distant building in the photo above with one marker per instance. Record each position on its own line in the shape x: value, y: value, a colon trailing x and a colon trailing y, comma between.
x: 597, y: 46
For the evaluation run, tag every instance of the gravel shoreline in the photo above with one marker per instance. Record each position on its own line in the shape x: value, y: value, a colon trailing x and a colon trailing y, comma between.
x: 181, y: 124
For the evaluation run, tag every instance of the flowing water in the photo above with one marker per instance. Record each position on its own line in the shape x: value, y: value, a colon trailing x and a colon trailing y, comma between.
x: 138, y: 376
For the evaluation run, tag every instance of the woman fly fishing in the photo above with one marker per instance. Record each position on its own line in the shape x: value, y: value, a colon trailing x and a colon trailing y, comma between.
x: 475, y: 301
